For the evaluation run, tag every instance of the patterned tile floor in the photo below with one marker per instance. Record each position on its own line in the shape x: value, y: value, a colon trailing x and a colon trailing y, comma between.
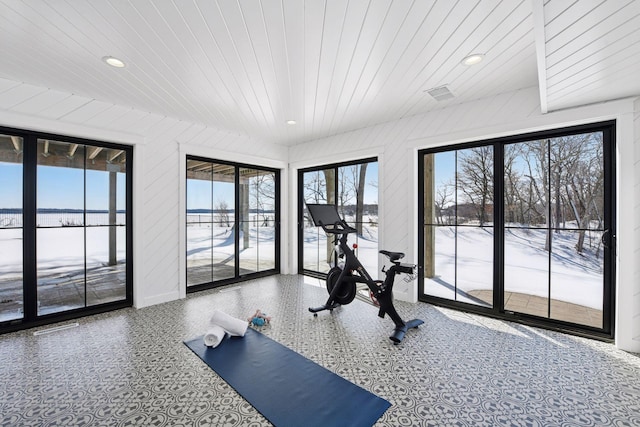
x: 130, y: 367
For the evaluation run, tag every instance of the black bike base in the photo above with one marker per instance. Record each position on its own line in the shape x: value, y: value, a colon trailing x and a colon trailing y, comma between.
x: 398, y: 333
x: 329, y: 307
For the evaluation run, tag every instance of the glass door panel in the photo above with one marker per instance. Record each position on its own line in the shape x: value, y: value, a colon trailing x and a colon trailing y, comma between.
x: 318, y: 187
x: 257, y: 220
x: 11, y: 240
x: 105, y: 202
x: 358, y: 205
x: 576, y: 281
x: 223, y: 225
x: 458, y: 218
x: 199, y: 223
x: 554, y: 189
x: 60, y: 220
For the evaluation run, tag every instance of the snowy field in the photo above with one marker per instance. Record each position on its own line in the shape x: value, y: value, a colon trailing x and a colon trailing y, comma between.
x: 574, y: 278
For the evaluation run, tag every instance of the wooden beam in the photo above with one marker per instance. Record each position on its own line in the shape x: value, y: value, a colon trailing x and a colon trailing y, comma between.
x: 45, y: 151
x: 17, y: 143
x: 72, y: 150
x: 94, y: 152
x: 429, y: 216
x: 115, y: 154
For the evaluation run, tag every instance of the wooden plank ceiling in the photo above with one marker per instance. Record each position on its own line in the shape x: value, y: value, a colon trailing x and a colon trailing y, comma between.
x: 249, y: 66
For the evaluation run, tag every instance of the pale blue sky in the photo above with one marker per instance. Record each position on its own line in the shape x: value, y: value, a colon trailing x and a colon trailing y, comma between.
x: 60, y: 188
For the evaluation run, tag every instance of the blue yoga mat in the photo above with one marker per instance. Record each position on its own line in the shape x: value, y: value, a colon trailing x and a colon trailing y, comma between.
x: 287, y: 388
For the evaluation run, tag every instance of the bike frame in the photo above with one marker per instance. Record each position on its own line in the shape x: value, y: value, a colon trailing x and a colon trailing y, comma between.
x: 352, y: 272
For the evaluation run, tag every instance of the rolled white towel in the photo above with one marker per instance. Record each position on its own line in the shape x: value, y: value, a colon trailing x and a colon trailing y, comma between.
x: 230, y: 324
x: 214, y: 336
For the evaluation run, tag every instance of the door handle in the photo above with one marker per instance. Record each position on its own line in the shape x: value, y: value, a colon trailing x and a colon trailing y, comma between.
x: 608, y: 239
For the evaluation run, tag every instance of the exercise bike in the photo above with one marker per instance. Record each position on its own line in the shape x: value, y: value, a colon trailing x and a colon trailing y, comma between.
x: 342, y: 279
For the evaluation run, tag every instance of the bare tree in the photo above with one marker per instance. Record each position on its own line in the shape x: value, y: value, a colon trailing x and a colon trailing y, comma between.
x: 476, y: 179
x: 222, y: 212
x: 443, y: 200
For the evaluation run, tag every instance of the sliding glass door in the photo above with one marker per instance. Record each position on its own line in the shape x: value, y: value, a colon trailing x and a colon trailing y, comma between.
x: 522, y: 227
x: 232, y: 222
x: 64, y: 228
x: 353, y: 188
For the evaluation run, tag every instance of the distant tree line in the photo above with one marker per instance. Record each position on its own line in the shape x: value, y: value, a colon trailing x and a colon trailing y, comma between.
x: 550, y: 183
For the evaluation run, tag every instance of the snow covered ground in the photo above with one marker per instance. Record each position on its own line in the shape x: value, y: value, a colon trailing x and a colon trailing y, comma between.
x: 574, y: 278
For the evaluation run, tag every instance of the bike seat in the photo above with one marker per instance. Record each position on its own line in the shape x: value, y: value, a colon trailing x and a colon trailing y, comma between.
x: 393, y: 256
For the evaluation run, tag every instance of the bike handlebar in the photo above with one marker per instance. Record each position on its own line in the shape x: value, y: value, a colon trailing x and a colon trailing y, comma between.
x: 338, y: 227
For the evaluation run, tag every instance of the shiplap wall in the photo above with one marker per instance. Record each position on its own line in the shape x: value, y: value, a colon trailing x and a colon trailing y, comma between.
x: 397, y: 143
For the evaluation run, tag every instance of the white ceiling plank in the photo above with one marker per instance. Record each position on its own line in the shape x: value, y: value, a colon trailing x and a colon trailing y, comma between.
x: 6, y: 84
x: 499, y: 52
x: 40, y: 102
x: 107, y: 117
x: 331, y: 55
x: 64, y: 107
x: 130, y: 119
x: 599, y: 55
x: 595, y: 77
x: 596, y: 31
x: 243, y: 54
x: 350, y: 24
x: 85, y: 112
x: 444, y: 19
x: 247, y: 66
x: 174, y: 17
x: 219, y: 16
x: 391, y: 26
x: 18, y: 94
x: 262, y: 64
x: 403, y: 40
x: 368, y: 39
x: 314, y: 20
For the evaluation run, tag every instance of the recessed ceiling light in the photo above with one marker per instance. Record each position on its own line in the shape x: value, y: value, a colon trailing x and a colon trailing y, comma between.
x: 114, y: 62
x: 291, y: 122
x: 473, y: 59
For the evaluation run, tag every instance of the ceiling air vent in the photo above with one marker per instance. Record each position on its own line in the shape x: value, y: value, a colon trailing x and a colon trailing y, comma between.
x: 440, y: 93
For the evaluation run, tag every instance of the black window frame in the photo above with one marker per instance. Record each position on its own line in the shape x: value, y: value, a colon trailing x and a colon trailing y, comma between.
x: 607, y: 332
x: 277, y: 244
x: 29, y: 208
x: 300, y: 224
